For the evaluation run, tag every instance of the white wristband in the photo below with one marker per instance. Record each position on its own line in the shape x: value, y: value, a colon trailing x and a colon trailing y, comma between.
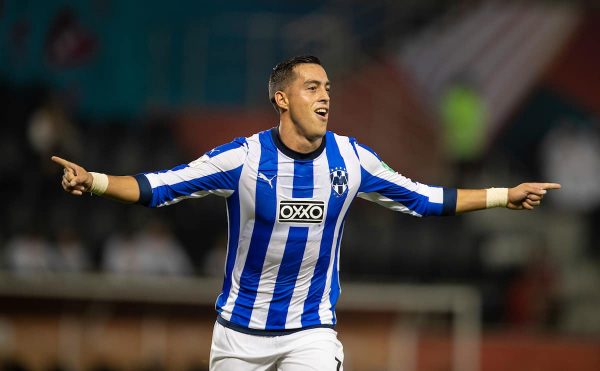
x: 99, y: 183
x: 496, y: 197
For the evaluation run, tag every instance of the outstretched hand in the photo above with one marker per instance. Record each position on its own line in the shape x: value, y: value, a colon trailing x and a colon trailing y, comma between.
x: 76, y: 180
x: 528, y: 195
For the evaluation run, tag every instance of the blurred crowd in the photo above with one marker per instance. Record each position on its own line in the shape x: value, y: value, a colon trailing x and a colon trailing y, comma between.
x: 15, y: 364
x: 45, y: 230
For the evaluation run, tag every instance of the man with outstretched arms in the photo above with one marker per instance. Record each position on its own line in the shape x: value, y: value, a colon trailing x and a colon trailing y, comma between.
x: 287, y: 191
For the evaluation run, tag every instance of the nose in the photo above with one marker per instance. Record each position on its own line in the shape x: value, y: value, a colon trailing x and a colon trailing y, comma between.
x: 324, y: 96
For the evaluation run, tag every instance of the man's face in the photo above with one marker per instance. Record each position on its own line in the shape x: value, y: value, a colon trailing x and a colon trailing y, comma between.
x: 308, y: 97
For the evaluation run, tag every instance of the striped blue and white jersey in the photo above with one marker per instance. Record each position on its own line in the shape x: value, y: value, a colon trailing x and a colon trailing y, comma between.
x: 286, y: 216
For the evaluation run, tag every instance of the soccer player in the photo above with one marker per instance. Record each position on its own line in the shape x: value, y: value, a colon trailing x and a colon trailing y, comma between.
x: 287, y: 191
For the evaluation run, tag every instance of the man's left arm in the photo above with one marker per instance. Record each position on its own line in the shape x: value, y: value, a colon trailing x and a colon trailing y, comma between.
x: 525, y: 196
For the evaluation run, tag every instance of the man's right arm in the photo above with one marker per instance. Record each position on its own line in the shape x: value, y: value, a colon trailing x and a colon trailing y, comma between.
x: 216, y: 172
x: 77, y: 181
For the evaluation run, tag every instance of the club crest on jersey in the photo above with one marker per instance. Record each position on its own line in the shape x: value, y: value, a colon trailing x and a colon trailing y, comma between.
x: 339, y: 181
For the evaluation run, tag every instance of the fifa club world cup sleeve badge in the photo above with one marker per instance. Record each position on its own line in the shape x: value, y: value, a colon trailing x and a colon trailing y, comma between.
x: 339, y: 181
x: 386, y: 166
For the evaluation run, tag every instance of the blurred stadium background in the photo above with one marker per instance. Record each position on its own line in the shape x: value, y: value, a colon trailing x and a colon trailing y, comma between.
x: 466, y: 93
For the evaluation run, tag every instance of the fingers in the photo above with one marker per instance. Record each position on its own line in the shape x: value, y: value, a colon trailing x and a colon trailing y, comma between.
x: 527, y: 206
x: 532, y: 203
x: 76, y: 190
x: 62, y: 162
x: 544, y: 186
x: 540, y: 192
x: 71, y: 167
x: 550, y: 186
x: 529, y: 195
x: 72, y: 183
x: 68, y: 185
x: 539, y: 189
x: 71, y: 178
x: 77, y: 180
x: 74, y: 176
x: 534, y: 197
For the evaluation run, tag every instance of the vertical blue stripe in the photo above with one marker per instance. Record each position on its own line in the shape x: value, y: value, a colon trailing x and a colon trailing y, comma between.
x: 264, y: 220
x: 303, y: 179
x: 286, y: 277
x: 293, y: 253
x: 310, y: 315
x: 233, y: 213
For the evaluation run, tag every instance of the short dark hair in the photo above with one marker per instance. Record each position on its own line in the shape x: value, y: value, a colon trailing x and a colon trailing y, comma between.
x: 283, y: 74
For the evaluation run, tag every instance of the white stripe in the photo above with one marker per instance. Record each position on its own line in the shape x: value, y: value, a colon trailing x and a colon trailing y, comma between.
x: 374, y: 167
x: 247, y: 191
x: 353, y: 169
x: 274, y: 256
x: 199, y: 194
x: 435, y: 194
x: 387, y: 202
x: 321, y: 192
x: 202, y: 167
x: 338, y: 270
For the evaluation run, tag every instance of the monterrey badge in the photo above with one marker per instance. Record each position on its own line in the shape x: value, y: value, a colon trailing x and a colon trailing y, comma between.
x: 339, y: 181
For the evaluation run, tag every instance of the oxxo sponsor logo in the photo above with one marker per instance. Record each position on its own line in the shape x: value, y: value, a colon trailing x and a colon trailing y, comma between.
x: 296, y: 211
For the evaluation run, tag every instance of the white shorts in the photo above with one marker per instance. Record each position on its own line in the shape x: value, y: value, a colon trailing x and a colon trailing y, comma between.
x: 316, y: 349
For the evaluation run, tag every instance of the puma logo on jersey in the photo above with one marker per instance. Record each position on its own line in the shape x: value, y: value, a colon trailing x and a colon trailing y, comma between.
x: 296, y: 211
x: 264, y: 177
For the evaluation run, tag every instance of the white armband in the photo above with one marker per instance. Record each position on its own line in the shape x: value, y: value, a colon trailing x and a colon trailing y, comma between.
x: 496, y: 197
x: 99, y: 183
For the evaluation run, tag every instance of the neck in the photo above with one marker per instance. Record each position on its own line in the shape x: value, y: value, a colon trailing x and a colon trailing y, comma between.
x: 296, y: 140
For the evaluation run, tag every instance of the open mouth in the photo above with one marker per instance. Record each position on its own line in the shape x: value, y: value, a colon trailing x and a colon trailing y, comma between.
x: 322, y: 112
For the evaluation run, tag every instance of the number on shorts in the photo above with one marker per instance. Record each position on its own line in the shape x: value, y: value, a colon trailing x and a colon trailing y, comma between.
x: 339, y: 364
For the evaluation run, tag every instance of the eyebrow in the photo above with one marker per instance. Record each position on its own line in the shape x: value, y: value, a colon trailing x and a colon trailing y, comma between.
x: 308, y: 82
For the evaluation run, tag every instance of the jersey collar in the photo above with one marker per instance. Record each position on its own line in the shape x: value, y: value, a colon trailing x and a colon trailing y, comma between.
x: 293, y: 154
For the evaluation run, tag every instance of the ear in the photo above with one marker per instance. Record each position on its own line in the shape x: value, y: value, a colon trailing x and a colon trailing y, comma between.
x: 281, y: 100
